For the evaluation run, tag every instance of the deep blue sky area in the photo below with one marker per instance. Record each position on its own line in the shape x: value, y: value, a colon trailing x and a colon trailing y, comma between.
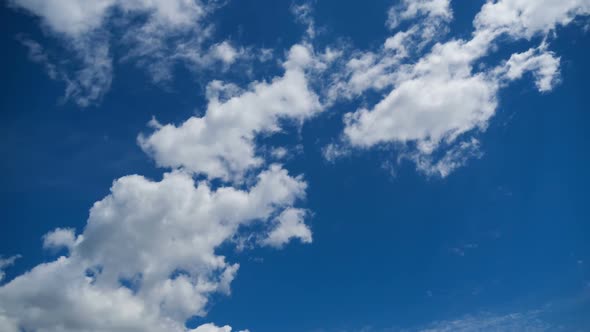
x: 507, y: 232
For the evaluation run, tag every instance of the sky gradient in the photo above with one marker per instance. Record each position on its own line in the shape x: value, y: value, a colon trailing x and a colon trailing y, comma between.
x: 276, y: 166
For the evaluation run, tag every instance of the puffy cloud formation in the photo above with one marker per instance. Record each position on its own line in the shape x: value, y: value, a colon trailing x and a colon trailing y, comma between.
x: 434, y: 102
x: 146, y: 260
x: 290, y: 224
x: 526, y: 18
x: 61, y: 238
x: 543, y: 64
x: 148, y: 257
x: 221, y: 144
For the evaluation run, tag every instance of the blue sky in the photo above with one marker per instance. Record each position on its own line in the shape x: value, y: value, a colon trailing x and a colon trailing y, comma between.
x: 217, y: 166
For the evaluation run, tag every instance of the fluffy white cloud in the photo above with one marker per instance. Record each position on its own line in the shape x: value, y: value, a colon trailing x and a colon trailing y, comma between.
x: 60, y: 238
x: 212, y: 328
x: 443, y: 96
x: 435, y: 100
x: 225, y: 52
x: 220, y: 144
x: 68, y: 17
x: 542, y: 63
x: 146, y: 260
x: 290, y: 224
x: 439, y: 99
x: 525, y: 18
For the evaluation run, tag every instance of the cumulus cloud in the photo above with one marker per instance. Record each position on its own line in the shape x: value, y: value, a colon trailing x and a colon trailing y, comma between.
x: 290, y: 224
x: 438, y: 99
x: 438, y: 102
x: 434, y: 102
x: 147, y: 260
x: 542, y: 63
x: 526, y: 18
x: 60, y: 238
x: 221, y: 143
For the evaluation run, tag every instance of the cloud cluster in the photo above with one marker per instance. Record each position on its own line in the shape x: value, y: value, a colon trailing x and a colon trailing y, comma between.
x: 439, y: 101
x: 147, y: 260
x: 221, y: 143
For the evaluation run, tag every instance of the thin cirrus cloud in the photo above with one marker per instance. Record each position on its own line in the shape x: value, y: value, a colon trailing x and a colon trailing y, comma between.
x: 488, y: 322
x: 146, y: 259
x: 168, y: 32
x: 6, y: 262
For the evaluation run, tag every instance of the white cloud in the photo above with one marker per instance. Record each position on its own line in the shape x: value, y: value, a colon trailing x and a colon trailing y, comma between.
x: 4, y: 263
x: 526, y: 18
x: 38, y: 55
x: 378, y: 70
x: 303, y: 14
x: 290, y: 224
x: 156, y: 35
x: 221, y: 144
x: 87, y: 78
x: 68, y: 17
x: 434, y: 101
x: 225, y: 52
x: 410, y: 9
x: 61, y: 238
x: 455, y: 157
x: 279, y: 152
x: 332, y: 151
x: 426, y: 109
x: 75, y: 18
x: 543, y: 64
x: 147, y: 258
x: 212, y: 328
x: 444, y: 96
x: 485, y: 322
